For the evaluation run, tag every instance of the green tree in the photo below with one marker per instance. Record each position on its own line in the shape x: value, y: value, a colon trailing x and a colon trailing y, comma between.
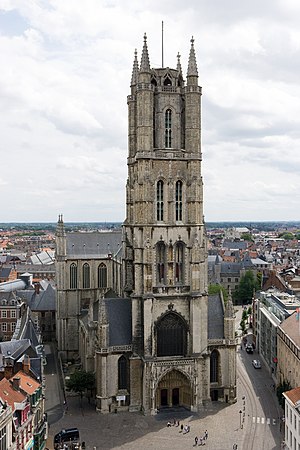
x: 244, y: 292
x: 80, y: 381
x: 288, y: 236
x: 247, y: 237
x: 214, y: 289
x: 243, y: 326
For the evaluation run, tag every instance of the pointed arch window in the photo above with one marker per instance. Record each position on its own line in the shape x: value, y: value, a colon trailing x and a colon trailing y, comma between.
x: 214, y: 365
x: 178, y: 200
x: 171, y: 336
x: 168, y: 128
x: 161, y: 262
x: 179, y: 263
x: 160, y: 201
x: 102, y: 276
x: 122, y: 373
x: 86, y: 276
x: 73, y: 276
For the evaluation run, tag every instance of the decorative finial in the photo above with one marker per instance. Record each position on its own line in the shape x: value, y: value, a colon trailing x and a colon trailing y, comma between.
x: 145, y: 63
x: 179, y: 63
x: 192, y: 66
x: 135, y: 69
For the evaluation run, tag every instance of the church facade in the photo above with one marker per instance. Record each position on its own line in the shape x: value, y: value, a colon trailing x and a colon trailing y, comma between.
x: 165, y: 342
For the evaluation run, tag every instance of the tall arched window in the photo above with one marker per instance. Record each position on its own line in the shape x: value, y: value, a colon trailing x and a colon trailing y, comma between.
x: 214, y: 363
x: 171, y: 336
x: 161, y: 262
x: 73, y: 276
x: 102, y: 276
x: 86, y: 276
x: 178, y: 201
x: 160, y: 201
x: 168, y: 128
x: 122, y: 373
x: 179, y: 263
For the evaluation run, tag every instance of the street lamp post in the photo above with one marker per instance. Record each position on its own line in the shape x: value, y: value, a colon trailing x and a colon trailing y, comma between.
x: 241, y: 412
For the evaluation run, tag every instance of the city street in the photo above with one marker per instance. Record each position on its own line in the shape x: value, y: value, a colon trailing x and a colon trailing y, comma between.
x: 251, y: 423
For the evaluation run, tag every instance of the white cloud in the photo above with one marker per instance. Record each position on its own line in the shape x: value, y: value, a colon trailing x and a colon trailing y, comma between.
x: 63, y: 91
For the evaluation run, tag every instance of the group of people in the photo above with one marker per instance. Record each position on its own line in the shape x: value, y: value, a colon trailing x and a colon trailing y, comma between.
x: 202, y: 439
x: 186, y: 429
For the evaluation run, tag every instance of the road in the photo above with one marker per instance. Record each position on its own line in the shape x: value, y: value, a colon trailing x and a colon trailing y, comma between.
x: 260, y: 411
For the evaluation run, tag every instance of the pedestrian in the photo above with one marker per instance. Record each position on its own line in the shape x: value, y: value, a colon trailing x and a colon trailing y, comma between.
x: 196, y: 441
x: 177, y: 424
x: 206, y: 434
x: 201, y: 441
x: 181, y: 428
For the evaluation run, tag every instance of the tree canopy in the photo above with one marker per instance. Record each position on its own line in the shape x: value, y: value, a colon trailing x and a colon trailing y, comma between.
x: 216, y: 289
x: 80, y: 381
x: 244, y: 292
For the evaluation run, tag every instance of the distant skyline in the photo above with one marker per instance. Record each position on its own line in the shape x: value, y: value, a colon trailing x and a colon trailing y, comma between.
x: 65, y: 75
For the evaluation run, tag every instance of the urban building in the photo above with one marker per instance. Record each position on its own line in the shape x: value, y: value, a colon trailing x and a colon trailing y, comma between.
x: 288, y: 350
x: 292, y: 419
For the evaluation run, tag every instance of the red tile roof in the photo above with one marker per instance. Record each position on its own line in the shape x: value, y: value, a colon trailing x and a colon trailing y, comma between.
x: 9, y: 394
x: 27, y: 383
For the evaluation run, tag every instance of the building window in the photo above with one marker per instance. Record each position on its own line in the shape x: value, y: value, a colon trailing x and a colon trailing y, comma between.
x: 13, y: 314
x: 171, y: 336
x: 3, y: 442
x: 122, y: 372
x: 4, y: 314
x: 161, y: 257
x: 178, y: 201
x: 13, y: 326
x: 73, y: 276
x: 102, y: 276
x: 168, y: 128
x: 214, y: 364
x: 160, y: 200
x: 4, y: 326
x: 179, y: 258
x: 85, y: 276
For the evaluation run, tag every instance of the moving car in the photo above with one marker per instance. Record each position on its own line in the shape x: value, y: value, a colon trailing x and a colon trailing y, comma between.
x: 256, y: 364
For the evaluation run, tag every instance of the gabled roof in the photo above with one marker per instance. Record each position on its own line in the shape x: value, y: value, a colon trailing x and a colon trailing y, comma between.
x: 291, y: 327
x: 10, y: 395
x: 95, y: 244
x: 27, y: 383
x: 294, y: 396
x: 15, y: 348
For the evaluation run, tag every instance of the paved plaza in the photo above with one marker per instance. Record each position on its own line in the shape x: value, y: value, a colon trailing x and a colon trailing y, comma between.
x: 135, y: 431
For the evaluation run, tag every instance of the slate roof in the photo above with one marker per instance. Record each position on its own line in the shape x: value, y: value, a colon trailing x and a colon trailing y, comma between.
x: 14, y: 285
x: 237, y: 245
x: 119, y: 318
x: 94, y: 245
x: 5, y: 272
x: 215, y: 317
x: 44, y: 301
x: 15, y: 348
x: 230, y: 268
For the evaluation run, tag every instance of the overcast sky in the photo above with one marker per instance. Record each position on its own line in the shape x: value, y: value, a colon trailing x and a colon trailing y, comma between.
x: 65, y: 75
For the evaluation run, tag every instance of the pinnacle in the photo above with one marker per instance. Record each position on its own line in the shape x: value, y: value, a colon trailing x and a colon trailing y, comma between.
x: 135, y: 69
x: 145, y: 63
x: 192, y: 66
x: 179, y: 63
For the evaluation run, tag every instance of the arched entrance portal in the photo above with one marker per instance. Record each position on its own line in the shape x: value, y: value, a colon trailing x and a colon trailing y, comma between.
x: 174, y: 389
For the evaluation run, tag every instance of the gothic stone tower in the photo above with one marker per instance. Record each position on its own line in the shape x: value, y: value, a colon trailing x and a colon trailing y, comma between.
x: 165, y: 267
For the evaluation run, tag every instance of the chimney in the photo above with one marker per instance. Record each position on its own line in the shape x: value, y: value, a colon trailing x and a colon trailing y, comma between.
x: 37, y: 288
x: 26, y: 364
x: 16, y: 383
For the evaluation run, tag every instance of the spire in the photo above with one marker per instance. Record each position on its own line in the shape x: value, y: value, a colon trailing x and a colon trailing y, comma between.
x: 192, y: 66
x: 179, y: 63
x: 135, y: 69
x: 145, y: 63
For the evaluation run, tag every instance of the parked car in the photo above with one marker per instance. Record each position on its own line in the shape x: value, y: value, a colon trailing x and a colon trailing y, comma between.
x: 67, y: 435
x: 256, y: 364
x: 249, y: 348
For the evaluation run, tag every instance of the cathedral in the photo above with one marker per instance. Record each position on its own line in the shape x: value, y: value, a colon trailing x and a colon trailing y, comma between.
x: 134, y: 305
